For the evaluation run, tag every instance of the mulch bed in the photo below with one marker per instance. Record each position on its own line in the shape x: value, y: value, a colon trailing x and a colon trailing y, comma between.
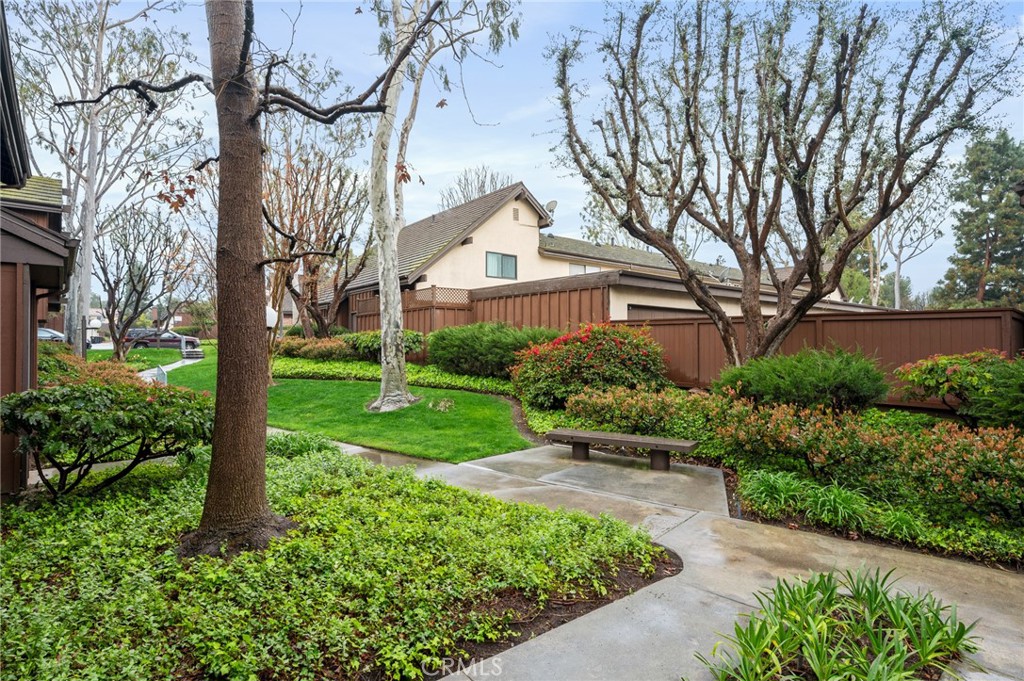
x: 533, y: 622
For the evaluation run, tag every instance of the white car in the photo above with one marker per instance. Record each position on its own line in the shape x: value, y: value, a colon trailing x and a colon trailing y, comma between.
x: 45, y: 334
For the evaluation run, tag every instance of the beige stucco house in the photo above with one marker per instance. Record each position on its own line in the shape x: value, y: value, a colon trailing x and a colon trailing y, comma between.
x: 496, y: 243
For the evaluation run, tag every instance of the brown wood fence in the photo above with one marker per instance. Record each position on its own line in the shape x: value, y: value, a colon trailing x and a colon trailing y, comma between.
x: 695, y: 354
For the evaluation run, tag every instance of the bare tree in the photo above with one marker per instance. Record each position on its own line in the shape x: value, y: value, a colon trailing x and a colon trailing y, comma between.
x: 472, y: 183
x: 777, y: 122
x: 457, y: 32
x: 141, y: 262
x: 109, y: 151
x: 316, y: 205
x: 915, y: 227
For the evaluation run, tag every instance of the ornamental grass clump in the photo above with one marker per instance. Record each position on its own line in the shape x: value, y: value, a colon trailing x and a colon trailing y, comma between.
x: 854, y: 625
x: 597, y: 356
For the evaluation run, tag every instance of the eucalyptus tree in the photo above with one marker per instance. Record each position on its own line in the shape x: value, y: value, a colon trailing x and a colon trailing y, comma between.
x: 771, y: 126
x: 457, y: 31
x: 109, y: 152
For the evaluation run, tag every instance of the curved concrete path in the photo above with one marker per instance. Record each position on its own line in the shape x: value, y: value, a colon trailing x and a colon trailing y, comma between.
x: 654, y: 633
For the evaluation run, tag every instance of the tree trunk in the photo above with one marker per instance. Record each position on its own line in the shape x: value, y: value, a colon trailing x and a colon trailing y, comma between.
x: 236, y: 513
x: 394, y: 388
x: 897, y: 294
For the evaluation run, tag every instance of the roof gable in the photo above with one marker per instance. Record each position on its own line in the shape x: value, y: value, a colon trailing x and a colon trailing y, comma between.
x: 422, y: 243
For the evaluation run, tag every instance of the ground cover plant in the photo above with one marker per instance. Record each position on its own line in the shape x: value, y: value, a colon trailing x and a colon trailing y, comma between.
x: 140, y: 359
x: 483, y: 349
x: 427, y: 376
x: 470, y: 426
x: 595, y: 356
x: 385, y: 575
x: 854, y: 626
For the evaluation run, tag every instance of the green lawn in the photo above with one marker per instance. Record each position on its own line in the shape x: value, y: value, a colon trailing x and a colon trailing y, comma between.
x: 142, y: 358
x: 384, y: 575
x: 473, y: 426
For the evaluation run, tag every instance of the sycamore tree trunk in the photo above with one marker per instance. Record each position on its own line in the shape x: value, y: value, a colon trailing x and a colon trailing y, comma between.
x: 236, y: 514
x: 394, y: 387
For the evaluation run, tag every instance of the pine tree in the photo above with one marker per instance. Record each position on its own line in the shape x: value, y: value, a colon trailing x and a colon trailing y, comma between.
x: 988, y: 267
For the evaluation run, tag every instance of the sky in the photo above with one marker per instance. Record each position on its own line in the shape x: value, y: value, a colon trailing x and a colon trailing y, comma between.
x: 503, y: 114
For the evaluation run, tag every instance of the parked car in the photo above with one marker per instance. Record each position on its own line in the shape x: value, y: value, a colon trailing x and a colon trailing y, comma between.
x: 52, y: 336
x: 167, y: 339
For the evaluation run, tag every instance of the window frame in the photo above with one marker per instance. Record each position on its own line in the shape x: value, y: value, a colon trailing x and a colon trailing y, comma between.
x: 503, y: 259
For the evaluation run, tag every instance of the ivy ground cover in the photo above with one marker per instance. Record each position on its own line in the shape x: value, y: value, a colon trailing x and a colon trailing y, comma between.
x: 385, y: 575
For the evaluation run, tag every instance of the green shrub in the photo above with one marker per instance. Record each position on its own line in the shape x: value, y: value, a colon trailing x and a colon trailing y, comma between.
x: 959, y: 380
x: 295, y: 330
x: 597, y: 356
x: 833, y: 379
x: 854, y: 626
x: 899, y: 419
x: 627, y: 410
x: 1002, y: 403
x: 366, y: 344
x: 188, y: 330
x: 483, y: 349
x: 70, y: 428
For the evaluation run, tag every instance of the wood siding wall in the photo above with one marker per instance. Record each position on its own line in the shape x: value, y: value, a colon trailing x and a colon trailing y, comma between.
x: 563, y: 310
x: 695, y: 355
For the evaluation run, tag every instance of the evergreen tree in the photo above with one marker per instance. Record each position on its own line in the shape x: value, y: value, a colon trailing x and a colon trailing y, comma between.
x: 988, y: 267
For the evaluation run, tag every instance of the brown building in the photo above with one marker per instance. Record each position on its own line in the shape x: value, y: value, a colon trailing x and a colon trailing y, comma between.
x: 35, y: 258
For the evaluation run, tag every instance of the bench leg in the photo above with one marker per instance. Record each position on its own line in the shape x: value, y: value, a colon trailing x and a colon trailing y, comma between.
x: 659, y: 460
x: 581, y: 451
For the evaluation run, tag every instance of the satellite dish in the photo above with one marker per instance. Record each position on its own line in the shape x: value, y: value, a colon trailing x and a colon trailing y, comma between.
x: 550, y: 206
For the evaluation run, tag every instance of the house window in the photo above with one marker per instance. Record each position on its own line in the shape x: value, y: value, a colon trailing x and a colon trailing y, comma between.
x: 501, y: 266
x: 583, y: 269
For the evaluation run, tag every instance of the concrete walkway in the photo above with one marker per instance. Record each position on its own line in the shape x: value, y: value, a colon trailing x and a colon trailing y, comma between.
x: 154, y: 373
x: 654, y: 633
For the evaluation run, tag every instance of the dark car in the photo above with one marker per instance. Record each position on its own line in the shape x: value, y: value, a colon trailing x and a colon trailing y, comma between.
x: 167, y: 339
x: 52, y: 336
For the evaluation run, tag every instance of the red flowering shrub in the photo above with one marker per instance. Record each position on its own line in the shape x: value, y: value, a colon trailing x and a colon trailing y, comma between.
x: 958, y: 472
x: 597, y: 356
x: 625, y: 410
x: 59, y: 366
x: 824, y: 444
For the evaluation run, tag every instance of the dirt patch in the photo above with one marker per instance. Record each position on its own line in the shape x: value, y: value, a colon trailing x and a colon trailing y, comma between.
x: 531, y: 622
x: 519, y: 418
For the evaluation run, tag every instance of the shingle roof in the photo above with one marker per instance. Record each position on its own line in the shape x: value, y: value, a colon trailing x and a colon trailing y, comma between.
x: 423, y: 241
x: 631, y: 257
x: 45, y: 192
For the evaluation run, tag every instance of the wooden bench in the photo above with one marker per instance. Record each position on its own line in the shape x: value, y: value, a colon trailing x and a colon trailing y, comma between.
x: 659, y: 446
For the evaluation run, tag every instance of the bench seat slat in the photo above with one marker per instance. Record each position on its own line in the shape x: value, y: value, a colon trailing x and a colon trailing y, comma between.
x: 620, y: 440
